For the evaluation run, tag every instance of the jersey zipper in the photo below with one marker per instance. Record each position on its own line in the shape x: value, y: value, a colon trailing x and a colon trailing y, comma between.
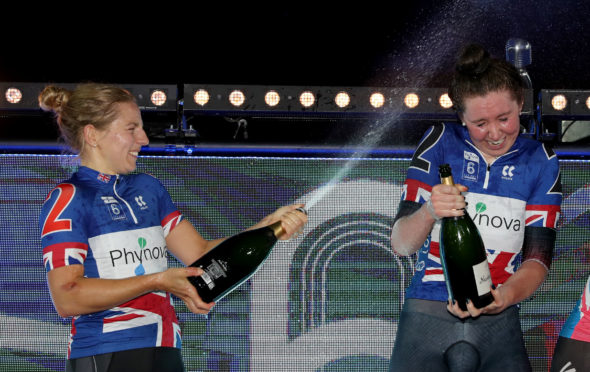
x: 488, y: 166
x: 123, y: 200
x: 487, y: 179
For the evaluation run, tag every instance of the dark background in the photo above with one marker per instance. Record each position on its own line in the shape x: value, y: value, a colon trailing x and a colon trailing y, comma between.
x: 391, y: 44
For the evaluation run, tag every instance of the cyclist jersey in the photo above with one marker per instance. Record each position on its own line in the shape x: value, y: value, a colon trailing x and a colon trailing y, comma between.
x: 577, y: 326
x: 116, y: 227
x: 520, y: 188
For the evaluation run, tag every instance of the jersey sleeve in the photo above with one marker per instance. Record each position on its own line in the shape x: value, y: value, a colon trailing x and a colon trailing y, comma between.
x: 63, y: 237
x: 544, y: 204
x: 169, y: 214
x: 423, y: 170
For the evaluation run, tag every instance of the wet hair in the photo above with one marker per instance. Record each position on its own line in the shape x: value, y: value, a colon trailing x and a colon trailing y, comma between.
x: 89, y: 103
x: 477, y: 74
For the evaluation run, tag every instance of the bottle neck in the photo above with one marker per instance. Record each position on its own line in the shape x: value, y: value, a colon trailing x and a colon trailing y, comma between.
x: 277, y: 229
x: 448, y: 180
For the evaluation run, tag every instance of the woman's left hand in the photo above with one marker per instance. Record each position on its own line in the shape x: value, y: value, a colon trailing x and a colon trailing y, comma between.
x: 292, y: 220
x: 497, y: 306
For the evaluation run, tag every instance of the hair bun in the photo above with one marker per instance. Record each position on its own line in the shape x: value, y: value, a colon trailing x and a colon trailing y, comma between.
x: 474, y: 61
x: 53, y: 98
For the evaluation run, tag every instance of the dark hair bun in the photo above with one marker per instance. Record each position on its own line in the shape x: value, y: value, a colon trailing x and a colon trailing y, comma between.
x: 474, y: 61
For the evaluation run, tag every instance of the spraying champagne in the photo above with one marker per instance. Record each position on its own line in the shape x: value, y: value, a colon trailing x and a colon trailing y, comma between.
x: 464, y: 258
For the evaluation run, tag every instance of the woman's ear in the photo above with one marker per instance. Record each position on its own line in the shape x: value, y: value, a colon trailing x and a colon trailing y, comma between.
x: 90, y: 135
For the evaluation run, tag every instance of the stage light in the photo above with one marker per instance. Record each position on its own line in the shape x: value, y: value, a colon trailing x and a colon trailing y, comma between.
x: 588, y: 102
x: 445, y: 101
x: 411, y: 100
x: 201, y: 97
x: 342, y: 99
x: 237, y: 98
x: 13, y: 95
x: 559, y: 102
x: 307, y: 99
x: 272, y: 98
x: 315, y: 100
x: 377, y: 100
x: 158, y: 97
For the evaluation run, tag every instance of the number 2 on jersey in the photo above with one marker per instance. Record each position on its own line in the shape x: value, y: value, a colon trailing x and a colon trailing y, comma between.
x: 53, y: 223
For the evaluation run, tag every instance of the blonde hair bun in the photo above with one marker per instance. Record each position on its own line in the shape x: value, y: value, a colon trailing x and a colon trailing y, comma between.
x: 53, y: 98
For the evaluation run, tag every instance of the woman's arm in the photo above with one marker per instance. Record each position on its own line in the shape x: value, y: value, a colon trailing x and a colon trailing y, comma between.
x: 520, y: 286
x: 73, y: 294
x: 186, y: 244
x: 409, y: 232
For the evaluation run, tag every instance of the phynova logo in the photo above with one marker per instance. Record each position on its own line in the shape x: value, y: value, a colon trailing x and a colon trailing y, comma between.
x: 138, y: 256
x: 498, y: 222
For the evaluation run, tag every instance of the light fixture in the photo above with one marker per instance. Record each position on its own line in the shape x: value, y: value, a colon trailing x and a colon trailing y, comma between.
x: 13, y: 95
x: 377, y: 100
x: 411, y: 100
x: 559, y: 102
x: 237, y: 98
x: 272, y: 98
x: 158, y: 97
x: 342, y: 99
x: 565, y: 104
x: 445, y: 101
x: 307, y: 99
x: 310, y: 101
x: 201, y: 97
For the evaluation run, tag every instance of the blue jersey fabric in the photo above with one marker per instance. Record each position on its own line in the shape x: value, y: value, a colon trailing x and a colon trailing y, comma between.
x: 115, y: 226
x: 520, y: 188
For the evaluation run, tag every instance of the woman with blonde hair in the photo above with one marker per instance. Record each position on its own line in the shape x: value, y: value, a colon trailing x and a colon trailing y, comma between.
x: 106, y: 234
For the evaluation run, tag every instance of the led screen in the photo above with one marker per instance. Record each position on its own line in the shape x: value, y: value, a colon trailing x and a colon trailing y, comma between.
x: 328, y: 300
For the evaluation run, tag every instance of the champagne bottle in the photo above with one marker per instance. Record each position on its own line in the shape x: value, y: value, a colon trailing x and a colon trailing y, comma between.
x: 464, y: 258
x: 235, y: 260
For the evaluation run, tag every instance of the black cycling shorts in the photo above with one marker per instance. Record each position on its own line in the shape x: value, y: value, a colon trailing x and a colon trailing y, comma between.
x: 151, y: 359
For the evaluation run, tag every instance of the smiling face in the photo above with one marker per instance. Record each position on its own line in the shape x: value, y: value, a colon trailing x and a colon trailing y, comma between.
x: 493, y: 122
x: 114, y: 150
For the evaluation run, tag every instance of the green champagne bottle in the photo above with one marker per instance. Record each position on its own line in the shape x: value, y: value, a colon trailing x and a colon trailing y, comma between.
x: 464, y: 258
x: 235, y: 260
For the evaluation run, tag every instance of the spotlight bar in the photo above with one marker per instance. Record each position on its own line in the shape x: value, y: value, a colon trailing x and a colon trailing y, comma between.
x: 23, y: 96
x: 565, y: 104
x: 244, y: 100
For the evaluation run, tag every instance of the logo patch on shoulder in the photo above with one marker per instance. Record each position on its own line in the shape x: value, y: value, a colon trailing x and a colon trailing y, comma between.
x: 470, y: 166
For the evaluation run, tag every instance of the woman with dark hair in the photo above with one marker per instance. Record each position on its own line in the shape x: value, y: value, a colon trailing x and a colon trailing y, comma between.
x: 106, y: 235
x: 510, y: 186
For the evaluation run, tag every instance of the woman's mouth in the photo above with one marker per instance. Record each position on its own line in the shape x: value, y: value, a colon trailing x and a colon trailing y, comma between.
x: 498, y: 142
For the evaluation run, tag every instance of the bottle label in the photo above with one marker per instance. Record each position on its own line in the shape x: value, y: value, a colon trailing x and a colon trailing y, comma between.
x: 213, y: 271
x: 483, y: 278
x: 207, y: 279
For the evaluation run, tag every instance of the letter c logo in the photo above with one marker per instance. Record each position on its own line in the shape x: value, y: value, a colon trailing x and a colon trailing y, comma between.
x: 507, y: 170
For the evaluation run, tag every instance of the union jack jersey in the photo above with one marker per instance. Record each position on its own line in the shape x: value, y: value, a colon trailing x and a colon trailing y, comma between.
x: 116, y: 227
x: 520, y: 188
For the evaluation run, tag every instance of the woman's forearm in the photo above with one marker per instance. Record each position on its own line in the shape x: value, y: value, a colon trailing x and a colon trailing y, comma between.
x: 409, y: 233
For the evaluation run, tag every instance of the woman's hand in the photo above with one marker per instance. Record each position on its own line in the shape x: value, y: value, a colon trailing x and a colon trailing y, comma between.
x: 292, y: 220
x: 175, y: 281
x: 497, y: 306
x: 447, y: 201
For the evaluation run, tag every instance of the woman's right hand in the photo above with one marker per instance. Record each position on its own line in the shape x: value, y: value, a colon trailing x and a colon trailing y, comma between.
x: 447, y: 201
x: 175, y: 281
